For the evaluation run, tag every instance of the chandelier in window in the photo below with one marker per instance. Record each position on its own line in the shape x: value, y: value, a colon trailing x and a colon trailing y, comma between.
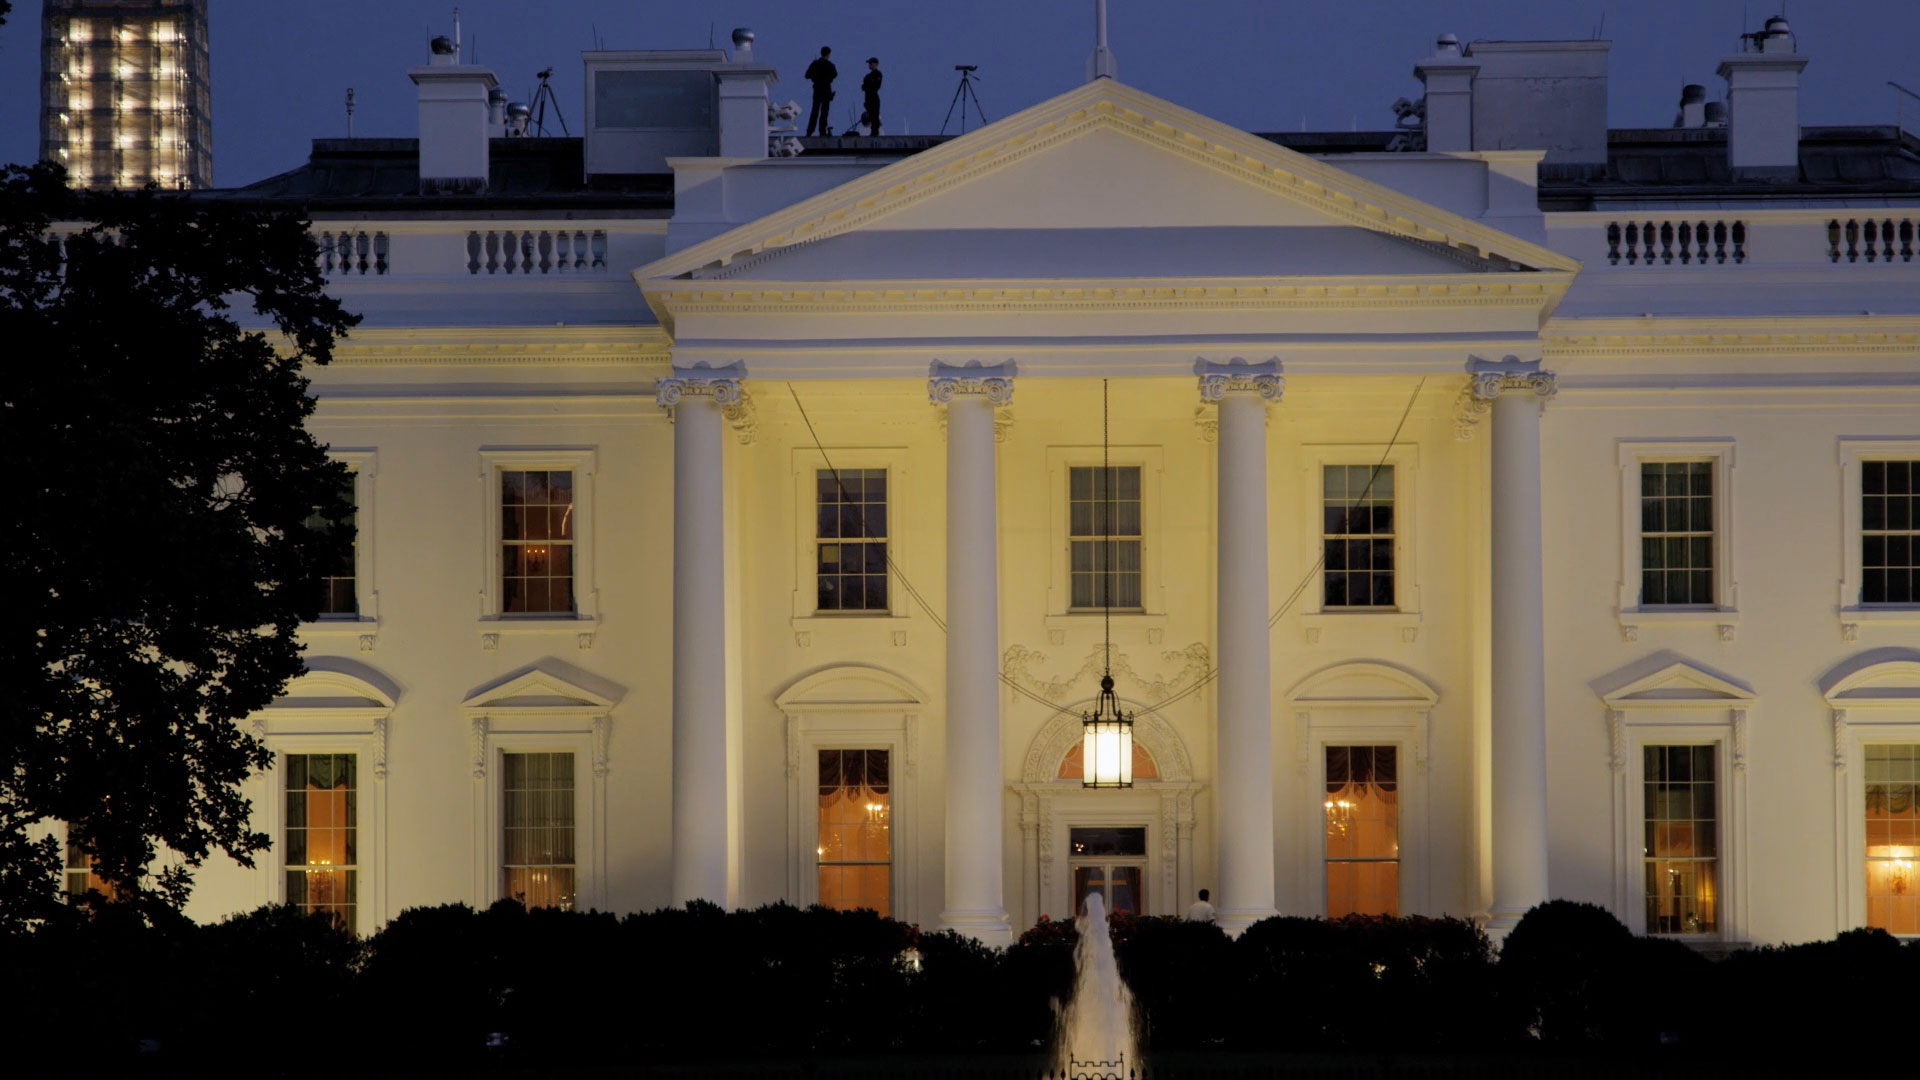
x: 1107, y: 752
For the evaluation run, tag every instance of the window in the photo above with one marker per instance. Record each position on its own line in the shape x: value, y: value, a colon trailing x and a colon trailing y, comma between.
x: 536, y: 542
x: 1103, y: 514
x: 537, y: 817
x: 339, y: 593
x: 1680, y: 846
x: 1362, y: 830
x: 1357, y: 538
x: 322, y: 822
x: 1676, y: 533
x: 851, y: 539
x: 1889, y: 532
x: 1893, y: 837
x: 855, y: 848
x: 80, y: 876
x: 1111, y: 862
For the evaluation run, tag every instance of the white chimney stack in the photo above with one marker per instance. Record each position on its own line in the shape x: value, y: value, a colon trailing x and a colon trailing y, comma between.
x: 455, y: 111
x: 1448, y: 78
x: 742, y: 95
x: 1693, y: 107
x: 1763, y: 105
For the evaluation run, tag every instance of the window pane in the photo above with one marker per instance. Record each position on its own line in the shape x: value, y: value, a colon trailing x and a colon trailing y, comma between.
x: 537, y: 829
x: 854, y: 843
x: 1681, y: 838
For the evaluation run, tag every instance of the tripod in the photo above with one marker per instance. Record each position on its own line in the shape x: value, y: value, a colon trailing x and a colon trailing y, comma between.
x: 961, y: 95
x: 540, y: 99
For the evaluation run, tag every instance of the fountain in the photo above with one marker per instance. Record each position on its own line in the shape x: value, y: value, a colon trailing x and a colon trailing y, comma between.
x: 1097, y: 1039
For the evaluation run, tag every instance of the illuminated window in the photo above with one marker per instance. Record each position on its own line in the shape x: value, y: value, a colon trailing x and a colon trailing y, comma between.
x: 855, y: 844
x: 1357, y: 538
x: 165, y: 32
x: 322, y: 844
x: 1893, y: 837
x: 1103, y: 528
x: 1073, y: 765
x: 536, y: 541
x: 537, y: 814
x: 79, y: 31
x: 1676, y: 533
x: 1362, y: 810
x: 1889, y: 532
x: 81, y: 878
x: 851, y: 539
x: 1681, y: 842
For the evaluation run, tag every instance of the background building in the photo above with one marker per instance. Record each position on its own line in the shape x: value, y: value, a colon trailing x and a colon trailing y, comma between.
x: 124, y: 92
x: 1500, y: 507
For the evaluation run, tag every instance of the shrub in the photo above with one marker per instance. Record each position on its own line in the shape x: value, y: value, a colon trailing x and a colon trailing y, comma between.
x: 1562, y: 974
x: 1179, y: 972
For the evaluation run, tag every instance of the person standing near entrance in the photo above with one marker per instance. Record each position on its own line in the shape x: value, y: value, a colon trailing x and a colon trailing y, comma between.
x: 821, y: 74
x: 870, y: 92
x: 1202, y: 909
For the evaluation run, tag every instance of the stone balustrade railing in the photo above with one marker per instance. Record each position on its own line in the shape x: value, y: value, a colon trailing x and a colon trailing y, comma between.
x: 1675, y: 240
x: 537, y: 251
x: 362, y: 251
x: 1666, y: 242
x: 1868, y: 239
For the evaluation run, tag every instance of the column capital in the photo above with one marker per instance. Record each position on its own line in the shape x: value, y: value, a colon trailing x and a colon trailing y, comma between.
x: 947, y: 381
x: 1488, y: 379
x: 722, y: 384
x: 1238, y: 375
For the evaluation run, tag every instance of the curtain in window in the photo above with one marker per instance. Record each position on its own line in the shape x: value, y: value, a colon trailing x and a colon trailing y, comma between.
x: 1362, y: 808
x: 855, y: 848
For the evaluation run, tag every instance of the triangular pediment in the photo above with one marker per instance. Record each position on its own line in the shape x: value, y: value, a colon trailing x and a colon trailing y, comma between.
x: 543, y: 686
x: 1105, y: 182
x: 1678, y: 685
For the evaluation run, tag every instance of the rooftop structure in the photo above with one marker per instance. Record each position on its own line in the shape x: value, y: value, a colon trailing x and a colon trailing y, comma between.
x: 124, y: 92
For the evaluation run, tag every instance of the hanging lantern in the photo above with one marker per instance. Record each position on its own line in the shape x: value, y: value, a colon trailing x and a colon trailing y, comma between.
x: 1107, y: 753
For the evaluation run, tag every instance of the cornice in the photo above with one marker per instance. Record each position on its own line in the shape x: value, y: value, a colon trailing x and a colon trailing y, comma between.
x: 1524, y: 290
x: 595, y: 346
x: 1105, y: 104
x: 1707, y: 337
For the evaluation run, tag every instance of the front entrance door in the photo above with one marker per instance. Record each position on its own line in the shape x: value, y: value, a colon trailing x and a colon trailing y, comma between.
x: 1111, y: 862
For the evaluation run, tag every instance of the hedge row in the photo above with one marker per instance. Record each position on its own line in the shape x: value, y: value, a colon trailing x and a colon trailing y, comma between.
x: 448, y: 985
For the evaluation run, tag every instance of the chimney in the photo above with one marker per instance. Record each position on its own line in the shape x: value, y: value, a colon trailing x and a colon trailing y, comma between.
x: 496, y: 113
x: 1693, y: 107
x: 1763, y: 105
x: 742, y: 94
x: 1542, y: 95
x: 1448, y: 78
x: 455, y: 115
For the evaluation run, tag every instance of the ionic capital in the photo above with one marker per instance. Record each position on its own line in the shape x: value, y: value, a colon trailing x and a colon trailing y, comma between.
x: 722, y: 384
x: 993, y: 381
x: 1488, y: 379
x: 1237, y: 375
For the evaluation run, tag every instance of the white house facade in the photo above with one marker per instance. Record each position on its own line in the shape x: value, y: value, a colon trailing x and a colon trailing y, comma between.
x: 1489, y: 511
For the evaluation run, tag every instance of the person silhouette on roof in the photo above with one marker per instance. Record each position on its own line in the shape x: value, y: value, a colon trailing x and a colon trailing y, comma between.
x: 821, y: 74
x: 870, y: 93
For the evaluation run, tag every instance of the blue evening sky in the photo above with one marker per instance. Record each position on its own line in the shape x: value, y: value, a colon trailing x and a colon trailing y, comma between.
x: 281, y: 67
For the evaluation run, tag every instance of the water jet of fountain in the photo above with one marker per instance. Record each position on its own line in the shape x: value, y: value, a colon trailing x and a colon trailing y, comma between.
x: 1098, y: 1027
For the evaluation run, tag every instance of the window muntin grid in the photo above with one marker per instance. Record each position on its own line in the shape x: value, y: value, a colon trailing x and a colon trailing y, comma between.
x: 537, y: 858
x: 850, y: 540
x: 536, y: 541
x: 1362, y: 810
x: 339, y: 596
x: 1890, y: 532
x: 1357, y: 536
x: 1104, y: 535
x: 1893, y: 836
x: 1680, y: 846
x: 1676, y: 533
x: 322, y: 834
x: 854, y: 847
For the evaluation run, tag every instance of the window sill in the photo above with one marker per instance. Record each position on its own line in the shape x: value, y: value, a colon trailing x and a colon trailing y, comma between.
x: 856, y: 624
x: 492, y: 627
x: 1141, y: 619
x: 1887, y: 615
x: 367, y: 630
x: 1725, y: 620
x: 1368, y: 620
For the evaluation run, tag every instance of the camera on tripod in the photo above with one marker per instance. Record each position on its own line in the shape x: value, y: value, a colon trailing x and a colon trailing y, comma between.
x: 966, y: 67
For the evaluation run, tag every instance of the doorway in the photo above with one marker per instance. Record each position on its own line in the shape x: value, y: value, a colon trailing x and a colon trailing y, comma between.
x: 1111, y: 861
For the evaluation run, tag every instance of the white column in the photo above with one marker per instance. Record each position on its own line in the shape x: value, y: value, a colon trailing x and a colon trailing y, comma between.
x: 696, y: 397
x: 1517, y: 393
x: 975, y: 892
x: 1245, y: 711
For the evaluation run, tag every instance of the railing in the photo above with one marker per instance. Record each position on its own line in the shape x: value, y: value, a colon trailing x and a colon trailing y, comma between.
x: 1647, y: 243
x: 537, y: 251
x: 1865, y: 240
x: 347, y: 252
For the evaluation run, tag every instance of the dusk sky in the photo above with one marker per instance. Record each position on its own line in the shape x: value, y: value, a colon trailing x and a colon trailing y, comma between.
x: 281, y: 68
